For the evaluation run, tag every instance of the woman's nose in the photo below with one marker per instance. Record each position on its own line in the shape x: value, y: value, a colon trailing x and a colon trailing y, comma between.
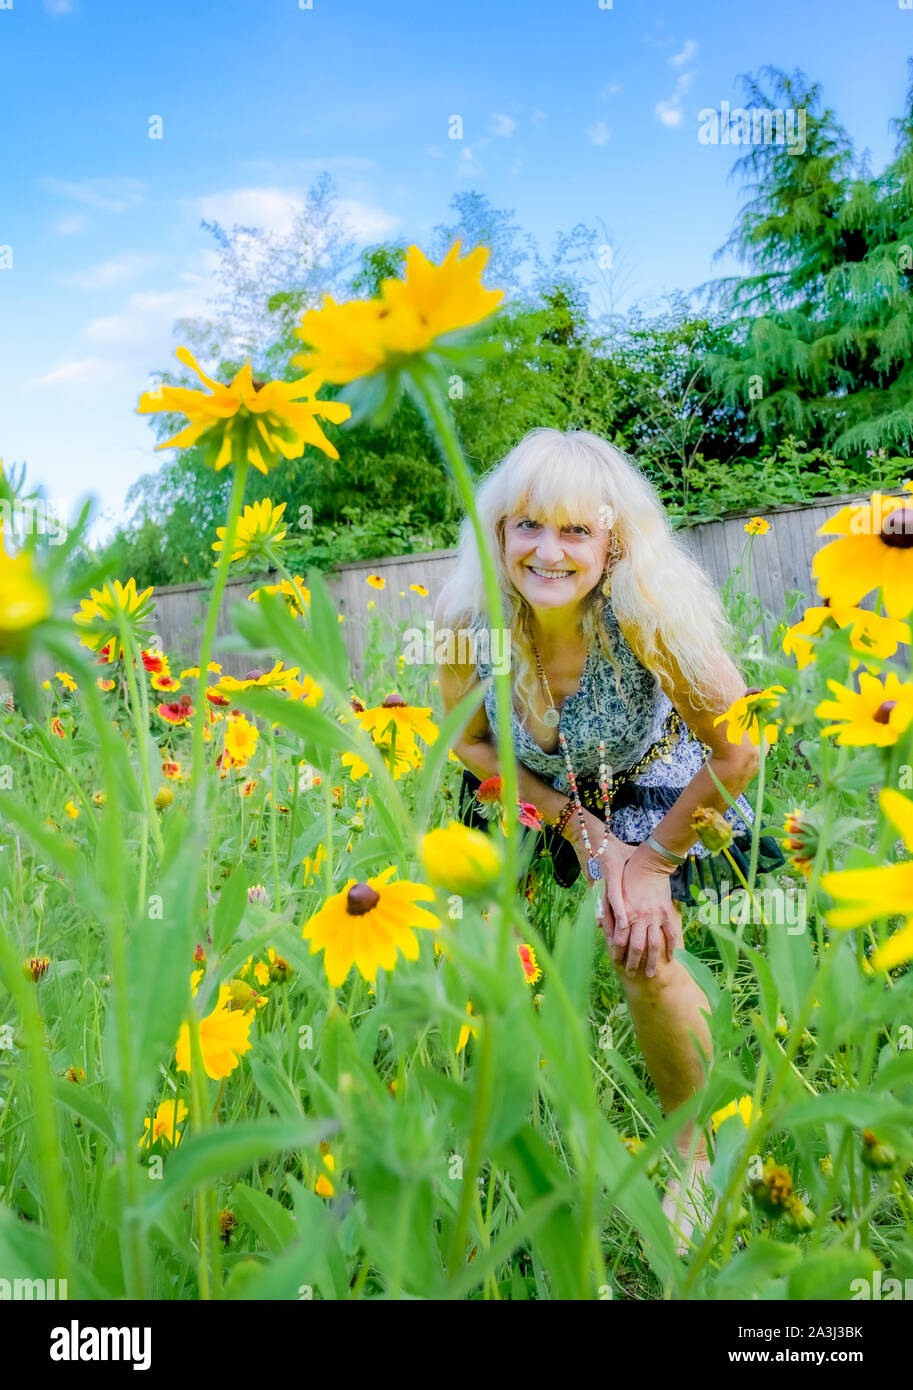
x: 550, y: 547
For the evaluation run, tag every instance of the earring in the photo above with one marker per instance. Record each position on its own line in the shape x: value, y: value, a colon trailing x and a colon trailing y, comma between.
x: 607, y: 586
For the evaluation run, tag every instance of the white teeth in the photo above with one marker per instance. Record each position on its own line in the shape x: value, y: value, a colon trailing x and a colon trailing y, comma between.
x: 551, y: 574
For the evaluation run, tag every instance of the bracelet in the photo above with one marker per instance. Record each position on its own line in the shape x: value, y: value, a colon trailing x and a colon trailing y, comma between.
x: 666, y: 854
x: 566, y: 812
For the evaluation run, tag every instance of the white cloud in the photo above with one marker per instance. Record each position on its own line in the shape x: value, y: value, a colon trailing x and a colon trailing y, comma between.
x: 684, y: 82
x: 501, y: 124
x: 599, y: 134
x: 71, y: 225
x: 146, y: 315
x: 678, y: 60
x: 536, y: 116
x: 107, y: 195
x: 274, y: 209
x: 108, y: 273
x: 670, y: 112
x: 87, y: 371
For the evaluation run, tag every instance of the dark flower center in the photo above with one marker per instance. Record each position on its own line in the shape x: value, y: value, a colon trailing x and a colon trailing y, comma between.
x: 253, y: 675
x: 897, y: 528
x: 394, y: 702
x: 883, y: 712
x: 360, y: 898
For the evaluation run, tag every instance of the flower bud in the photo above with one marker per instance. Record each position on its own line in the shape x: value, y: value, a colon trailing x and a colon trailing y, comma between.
x: 876, y: 1154
x: 773, y: 1189
x: 712, y: 829
x: 799, y: 1216
x: 460, y: 859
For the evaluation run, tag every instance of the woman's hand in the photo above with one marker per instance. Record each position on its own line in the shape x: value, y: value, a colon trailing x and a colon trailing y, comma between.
x: 647, y: 924
x: 611, y: 861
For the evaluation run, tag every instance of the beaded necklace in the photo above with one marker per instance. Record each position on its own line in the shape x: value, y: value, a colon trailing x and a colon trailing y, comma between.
x: 551, y: 718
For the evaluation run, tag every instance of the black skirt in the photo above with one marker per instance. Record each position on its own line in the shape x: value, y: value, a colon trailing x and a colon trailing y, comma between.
x: 711, y: 871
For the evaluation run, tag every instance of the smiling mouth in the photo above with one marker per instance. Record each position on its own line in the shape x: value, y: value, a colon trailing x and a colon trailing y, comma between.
x: 549, y: 574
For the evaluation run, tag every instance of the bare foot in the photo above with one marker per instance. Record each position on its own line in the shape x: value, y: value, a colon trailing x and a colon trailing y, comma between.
x: 690, y: 1203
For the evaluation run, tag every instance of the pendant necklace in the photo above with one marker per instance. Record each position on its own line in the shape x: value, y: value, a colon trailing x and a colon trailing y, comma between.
x: 551, y: 718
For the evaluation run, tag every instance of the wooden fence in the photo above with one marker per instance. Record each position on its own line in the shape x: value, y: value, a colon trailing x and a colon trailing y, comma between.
x: 781, y: 561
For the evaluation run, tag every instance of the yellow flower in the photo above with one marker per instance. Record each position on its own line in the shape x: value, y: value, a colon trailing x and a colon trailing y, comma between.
x: 323, y: 1186
x: 98, y: 618
x: 24, y: 600
x: 247, y: 420
x: 165, y: 1125
x: 311, y: 866
x: 408, y: 720
x: 223, y: 1039
x: 293, y: 594
x: 366, y: 923
x: 361, y: 337
x: 466, y: 1029
x: 376, y: 581
x: 743, y: 1108
x: 757, y: 526
x: 871, y: 633
x: 882, y: 891
x: 745, y: 714
x: 307, y: 691
x: 71, y: 809
x: 240, y: 740
x: 875, y: 550
x: 878, y: 714
x: 260, y: 533
x: 164, y: 797
x: 66, y: 680
x: 460, y: 859
x: 419, y: 589
x: 275, y: 678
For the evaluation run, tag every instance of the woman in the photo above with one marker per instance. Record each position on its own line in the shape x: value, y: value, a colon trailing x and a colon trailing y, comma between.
x: 617, y: 638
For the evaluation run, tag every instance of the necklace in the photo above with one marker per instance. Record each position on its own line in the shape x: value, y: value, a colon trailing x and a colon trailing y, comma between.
x: 551, y: 718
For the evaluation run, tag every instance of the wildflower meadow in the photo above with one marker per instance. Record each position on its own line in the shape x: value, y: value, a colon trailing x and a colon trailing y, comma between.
x: 274, y: 1024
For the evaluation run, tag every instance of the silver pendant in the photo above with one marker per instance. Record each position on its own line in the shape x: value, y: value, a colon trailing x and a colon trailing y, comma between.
x: 550, y: 718
x: 593, y: 868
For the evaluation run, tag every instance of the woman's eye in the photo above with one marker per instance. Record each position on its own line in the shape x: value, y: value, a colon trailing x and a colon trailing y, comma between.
x: 580, y: 530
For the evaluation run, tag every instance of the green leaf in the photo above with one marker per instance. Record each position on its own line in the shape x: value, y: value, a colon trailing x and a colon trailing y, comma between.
x: 230, y: 909
x: 831, y: 1274
x: 274, y: 1225
x: 87, y: 1106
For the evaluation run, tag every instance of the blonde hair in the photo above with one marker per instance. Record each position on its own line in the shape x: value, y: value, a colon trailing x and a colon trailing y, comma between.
x: 663, y: 599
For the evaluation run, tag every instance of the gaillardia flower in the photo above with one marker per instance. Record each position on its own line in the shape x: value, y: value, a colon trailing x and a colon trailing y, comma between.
x: 247, y: 420
x: 366, y: 923
x: 876, y: 549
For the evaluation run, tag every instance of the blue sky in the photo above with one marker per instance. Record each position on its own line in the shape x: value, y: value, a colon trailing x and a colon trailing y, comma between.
x: 571, y: 113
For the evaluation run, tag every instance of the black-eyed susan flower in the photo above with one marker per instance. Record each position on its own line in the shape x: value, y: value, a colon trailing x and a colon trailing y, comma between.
x: 531, y: 969
x: 224, y: 1038
x: 98, y: 617
x: 164, y: 1125
x: 419, y: 589
x: 882, y: 891
x: 362, y: 337
x: 274, y: 679
x: 408, y: 720
x: 460, y: 859
x: 293, y: 594
x: 307, y: 692
x: 247, y: 420
x: 376, y: 581
x: 260, y: 534
x: 877, y: 714
x: 406, y: 758
x: 871, y: 634
x: 366, y: 923
x: 746, y: 714
x: 875, y: 549
x: 757, y: 526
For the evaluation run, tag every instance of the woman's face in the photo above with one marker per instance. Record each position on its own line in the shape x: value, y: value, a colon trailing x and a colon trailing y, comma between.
x: 554, y: 566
